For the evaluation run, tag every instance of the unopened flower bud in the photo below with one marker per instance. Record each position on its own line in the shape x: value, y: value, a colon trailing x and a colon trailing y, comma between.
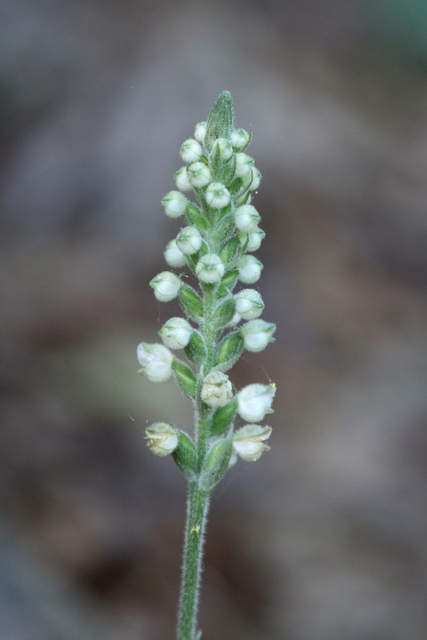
x: 244, y: 164
x: 200, y: 131
x: 249, y: 269
x: 249, y: 304
x: 156, y: 361
x: 176, y: 333
x: 189, y: 240
x: 217, y: 196
x: 210, y: 268
x: 240, y: 139
x: 175, y: 204
x: 234, y: 320
x: 166, y: 286
x: 181, y: 179
x: 255, y: 400
x: 257, y: 334
x: 248, y: 442
x: 174, y: 256
x: 256, y: 179
x: 247, y: 218
x: 217, y: 389
x: 162, y: 439
x: 191, y: 151
x: 199, y: 174
x: 223, y: 147
x: 233, y: 459
x: 253, y: 239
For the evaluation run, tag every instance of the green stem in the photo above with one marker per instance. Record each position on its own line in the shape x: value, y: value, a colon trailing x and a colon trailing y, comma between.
x: 198, y: 499
x: 197, y: 508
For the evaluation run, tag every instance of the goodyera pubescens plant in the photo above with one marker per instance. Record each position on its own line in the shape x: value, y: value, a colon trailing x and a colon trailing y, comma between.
x: 216, y: 241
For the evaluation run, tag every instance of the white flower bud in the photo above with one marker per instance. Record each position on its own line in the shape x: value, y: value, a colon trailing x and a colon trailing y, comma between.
x: 181, y: 179
x: 233, y: 459
x: 176, y: 333
x: 257, y: 334
x: 174, y: 256
x: 156, y: 361
x: 223, y: 146
x: 249, y: 269
x: 217, y: 389
x: 247, y: 218
x: 244, y: 164
x: 256, y: 179
x: 234, y: 320
x: 248, y: 442
x: 175, y: 204
x: 166, y: 286
x: 200, y: 131
x: 254, y: 239
x: 249, y: 304
x: 210, y: 268
x: 255, y: 400
x: 162, y: 439
x: 240, y: 139
x: 199, y: 174
x: 191, y: 151
x: 189, y: 240
x: 217, y: 196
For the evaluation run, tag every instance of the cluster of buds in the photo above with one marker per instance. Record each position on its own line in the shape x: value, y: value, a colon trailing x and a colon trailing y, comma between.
x: 220, y: 231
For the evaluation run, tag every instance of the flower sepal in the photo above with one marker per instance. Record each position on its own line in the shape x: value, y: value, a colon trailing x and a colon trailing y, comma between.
x: 216, y: 389
x: 156, y: 361
x: 258, y: 334
x: 255, y: 400
x: 249, y: 441
x: 162, y: 439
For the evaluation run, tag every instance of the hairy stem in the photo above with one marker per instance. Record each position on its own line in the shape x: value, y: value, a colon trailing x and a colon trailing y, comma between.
x: 197, y: 508
x: 198, y: 499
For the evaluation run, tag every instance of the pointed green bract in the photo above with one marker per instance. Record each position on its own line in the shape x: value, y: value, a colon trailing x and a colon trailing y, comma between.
x: 196, y: 349
x: 221, y: 120
x: 231, y: 252
x: 195, y: 217
x: 224, y: 313
x: 185, y: 378
x: 185, y: 456
x: 227, y: 283
x: 223, y: 417
x: 190, y: 303
x: 217, y: 462
x: 229, y: 351
x: 226, y: 172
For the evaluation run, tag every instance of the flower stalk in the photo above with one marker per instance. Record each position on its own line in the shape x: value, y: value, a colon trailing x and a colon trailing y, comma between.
x: 217, y: 232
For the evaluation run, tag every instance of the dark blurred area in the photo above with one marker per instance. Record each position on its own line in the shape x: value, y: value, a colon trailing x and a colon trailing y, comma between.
x: 326, y: 537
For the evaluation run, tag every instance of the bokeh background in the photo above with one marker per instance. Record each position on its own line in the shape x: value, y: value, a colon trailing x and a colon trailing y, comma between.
x: 326, y: 537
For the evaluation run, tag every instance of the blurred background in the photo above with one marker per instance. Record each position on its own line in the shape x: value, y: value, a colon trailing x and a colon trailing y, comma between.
x: 326, y: 537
